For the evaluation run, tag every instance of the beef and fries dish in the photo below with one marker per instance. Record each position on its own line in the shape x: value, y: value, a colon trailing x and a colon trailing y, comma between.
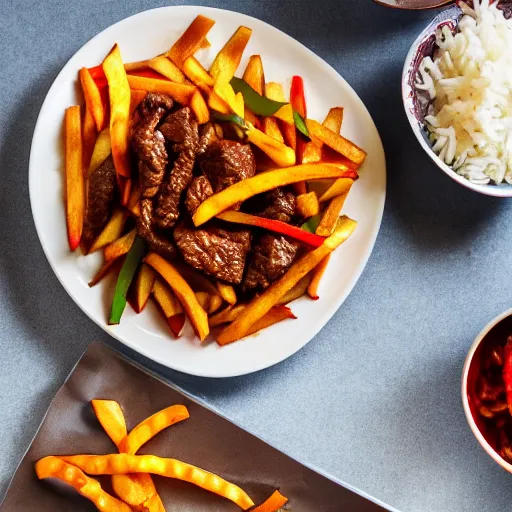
x: 214, y: 195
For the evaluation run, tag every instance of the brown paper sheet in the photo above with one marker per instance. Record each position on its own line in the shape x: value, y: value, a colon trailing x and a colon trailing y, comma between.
x: 205, y: 439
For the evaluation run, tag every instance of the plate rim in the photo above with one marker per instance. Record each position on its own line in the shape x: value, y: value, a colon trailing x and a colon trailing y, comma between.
x: 330, y: 309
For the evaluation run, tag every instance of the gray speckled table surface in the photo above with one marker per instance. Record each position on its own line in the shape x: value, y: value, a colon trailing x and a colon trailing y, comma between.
x: 381, y: 410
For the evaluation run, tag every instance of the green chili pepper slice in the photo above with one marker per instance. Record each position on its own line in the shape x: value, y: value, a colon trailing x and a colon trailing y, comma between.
x: 230, y: 118
x: 126, y: 275
x: 300, y: 123
x: 312, y: 223
x: 260, y: 105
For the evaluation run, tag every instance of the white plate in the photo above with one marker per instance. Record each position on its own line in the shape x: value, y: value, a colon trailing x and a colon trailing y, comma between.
x: 150, y: 33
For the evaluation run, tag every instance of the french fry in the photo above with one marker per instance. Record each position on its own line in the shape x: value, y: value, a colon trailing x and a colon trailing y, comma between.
x: 215, y: 303
x: 111, y: 418
x: 92, y: 98
x: 272, y: 504
x: 274, y: 91
x: 205, y: 44
x: 166, y: 299
x: 136, y: 66
x: 227, y: 60
x: 321, y: 153
x: 340, y: 144
x: 281, y: 154
x: 182, y: 93
x: 176, y: 324
x: 297, y: 291
x: 227, y: 292
x: 150, y: 427
x: 227, y: 315
x: 112, y: 231
x: 89, y: 137
x: 196, y: 73
x: 334, y: 119
x: 119, y: 94
x: 101, y: 151
x: 121, y: 246
x: 170, y: 468
x: 135, y: 489
x: 271, y: 128
x: 154, y: 504
x: 143, y: 286
x: 136, y: 97
x: 215, y: 102
x: 328, y: 155
x: 308, y: 205
x: 191, y: 40
x: 167, y: 68
x: 75, y: 199
x: 262, y: 304
x: 226, y: 93
x: 311, y: 154
x: 251, y: 118
x: 316, y: 276
x: 138, y: 488
x: 289, y: 133
x: 107, y: 268
x: 170, y: 307
x: 254, y: 74
x: 199, y: 107
x: 52, y: 467
x: 264, y: 182
x: 275, y: 315
x: 98, y: 74
x: 125, y: 187
x: 133, y: 205
x: 331, y: 215
x: 148, y: 73
x: 185, y: 294
x: 338, y: 188
x: 204, y: 300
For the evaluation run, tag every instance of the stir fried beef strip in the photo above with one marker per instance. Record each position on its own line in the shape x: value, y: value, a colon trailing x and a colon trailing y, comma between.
x: 198, y: 191
x: 101, y: 194
x: 269, y: 260
x: 147, y: 231
x: 227, y: 162
x: 271, y: 255
x: 280, y: 204
x: 149, y: 143
x: 181, y: 129
x: 207, y: 137
x: 216, y: 252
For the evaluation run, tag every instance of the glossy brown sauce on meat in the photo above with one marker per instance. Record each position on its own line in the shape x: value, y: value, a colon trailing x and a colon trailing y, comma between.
x: 182, y: 164
x: 101, y: 195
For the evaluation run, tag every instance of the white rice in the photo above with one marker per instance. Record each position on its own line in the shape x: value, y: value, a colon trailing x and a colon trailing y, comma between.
x: 470, y: 85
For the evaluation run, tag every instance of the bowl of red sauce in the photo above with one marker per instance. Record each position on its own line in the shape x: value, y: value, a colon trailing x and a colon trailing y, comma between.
x: 487, y: 389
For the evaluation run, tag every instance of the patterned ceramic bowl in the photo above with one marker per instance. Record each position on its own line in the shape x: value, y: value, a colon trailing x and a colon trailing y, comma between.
x: 416, y: 102
x: 413, y: 4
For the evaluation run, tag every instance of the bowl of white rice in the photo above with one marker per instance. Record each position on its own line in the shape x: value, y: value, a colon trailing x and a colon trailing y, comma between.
x: 457, y: 92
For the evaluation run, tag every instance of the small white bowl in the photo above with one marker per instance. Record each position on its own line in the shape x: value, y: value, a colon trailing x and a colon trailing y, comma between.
x: 468, y: 365
x: 422, y: 47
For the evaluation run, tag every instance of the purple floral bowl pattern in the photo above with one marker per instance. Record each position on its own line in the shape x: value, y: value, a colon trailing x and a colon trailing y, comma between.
x: 417, y: 103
